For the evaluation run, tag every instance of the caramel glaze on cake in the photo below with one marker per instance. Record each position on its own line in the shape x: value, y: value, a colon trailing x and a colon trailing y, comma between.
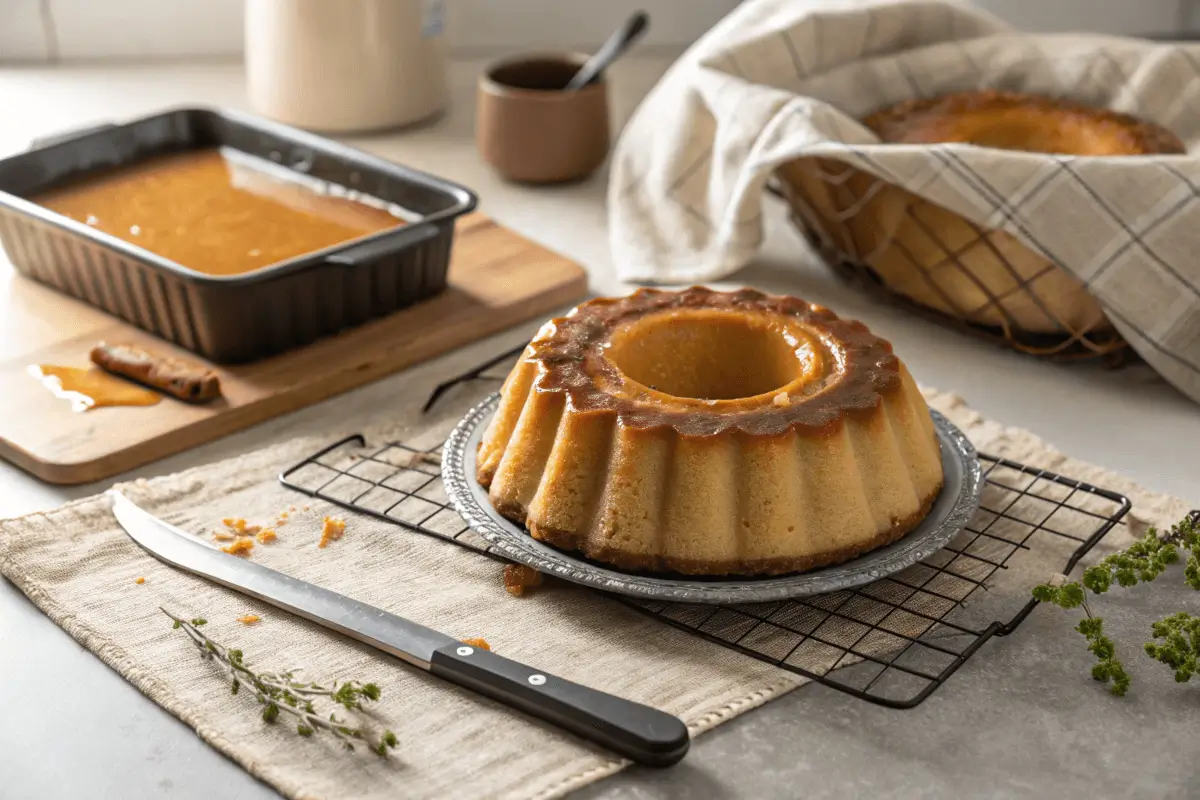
x: 711, y: 433
x: 1012, y: 121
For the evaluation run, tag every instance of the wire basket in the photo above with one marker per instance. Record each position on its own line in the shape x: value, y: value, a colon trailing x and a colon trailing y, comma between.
x: 892, y: 642
x: 983, y: 282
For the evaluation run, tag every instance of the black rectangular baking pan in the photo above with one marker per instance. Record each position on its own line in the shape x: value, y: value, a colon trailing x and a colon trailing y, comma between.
x: 240, y: 318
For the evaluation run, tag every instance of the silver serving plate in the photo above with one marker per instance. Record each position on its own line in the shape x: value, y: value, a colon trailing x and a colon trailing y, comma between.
x: 953, y: 509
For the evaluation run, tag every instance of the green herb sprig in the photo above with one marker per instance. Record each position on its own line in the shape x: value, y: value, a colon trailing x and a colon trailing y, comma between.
x: 1107, y: 668
x: 281, y: 691
x: 1177, y: 636
x: 1180, y: 645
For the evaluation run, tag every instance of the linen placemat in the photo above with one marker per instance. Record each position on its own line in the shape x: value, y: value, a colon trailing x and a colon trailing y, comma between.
x: 79, y: 567
x: 777, y: 80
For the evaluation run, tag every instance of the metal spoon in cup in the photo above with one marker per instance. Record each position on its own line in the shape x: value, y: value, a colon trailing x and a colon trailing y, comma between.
x: 611, y: 50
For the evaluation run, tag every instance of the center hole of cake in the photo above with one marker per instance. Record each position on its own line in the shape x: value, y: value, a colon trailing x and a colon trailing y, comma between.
x: 706, y: 355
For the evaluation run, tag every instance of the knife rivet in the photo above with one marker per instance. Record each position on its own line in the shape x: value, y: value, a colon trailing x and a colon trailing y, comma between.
x: 465, y: 651
x: 537, y: 680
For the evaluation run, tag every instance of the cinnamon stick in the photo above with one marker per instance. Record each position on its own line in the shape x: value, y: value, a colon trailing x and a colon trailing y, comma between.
x: 187, y: 382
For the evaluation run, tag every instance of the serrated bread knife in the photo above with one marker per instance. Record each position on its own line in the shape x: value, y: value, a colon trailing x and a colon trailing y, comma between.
x: 635, y: 731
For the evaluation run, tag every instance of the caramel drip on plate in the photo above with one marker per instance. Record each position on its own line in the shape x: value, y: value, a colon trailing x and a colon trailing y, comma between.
x: 91, y: 388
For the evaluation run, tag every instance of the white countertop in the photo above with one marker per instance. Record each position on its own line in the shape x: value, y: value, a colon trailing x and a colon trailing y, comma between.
x: 117, y: 744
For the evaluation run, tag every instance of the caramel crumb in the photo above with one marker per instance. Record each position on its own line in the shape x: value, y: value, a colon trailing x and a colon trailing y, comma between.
x: 249, y: 619
x: 480, y: 643
x: 140, y: 581
x: 332, y: 530
x: 240, y: 527
x: 518, y: 578
x: 782, y: 400
x: 241, y: 547
x: 222, y: 536
x: 266, y: 536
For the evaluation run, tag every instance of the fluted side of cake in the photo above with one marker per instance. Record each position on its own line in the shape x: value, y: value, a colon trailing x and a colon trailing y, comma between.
x: 780, y: 482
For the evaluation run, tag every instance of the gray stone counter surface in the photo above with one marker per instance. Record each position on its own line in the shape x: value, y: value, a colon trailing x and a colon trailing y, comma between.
x: 1020, y: 719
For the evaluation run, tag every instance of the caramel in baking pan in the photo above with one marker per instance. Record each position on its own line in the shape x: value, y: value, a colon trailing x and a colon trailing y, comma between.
x: 91, y: 388
x: 220, y: 212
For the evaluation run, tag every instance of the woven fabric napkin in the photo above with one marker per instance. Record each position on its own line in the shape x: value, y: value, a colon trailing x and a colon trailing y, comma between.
x: 79, y: 567
x: 781, y: 79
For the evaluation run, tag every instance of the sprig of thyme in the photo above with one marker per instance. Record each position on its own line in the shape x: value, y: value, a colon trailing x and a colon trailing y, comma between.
x: 281, y: 691
x: 1186, y: 534
x: 1180, y: 647
x: 1141, y: 562
x: 1107, y: 668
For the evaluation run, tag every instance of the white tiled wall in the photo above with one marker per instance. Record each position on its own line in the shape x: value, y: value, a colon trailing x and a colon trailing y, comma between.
x: 479, y: 24
x: 22, y: 34
x: 90, y: 29
x: 151, y: 28
x: 1104, y: 16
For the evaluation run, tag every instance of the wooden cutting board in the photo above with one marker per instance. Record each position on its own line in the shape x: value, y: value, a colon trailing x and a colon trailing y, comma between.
x: 497, y: 279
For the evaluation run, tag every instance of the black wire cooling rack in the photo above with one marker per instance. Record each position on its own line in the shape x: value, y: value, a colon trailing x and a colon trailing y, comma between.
x: 892, y: 642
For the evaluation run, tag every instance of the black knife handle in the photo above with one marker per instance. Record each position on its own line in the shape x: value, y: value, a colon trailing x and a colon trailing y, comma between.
x: 635, y: 731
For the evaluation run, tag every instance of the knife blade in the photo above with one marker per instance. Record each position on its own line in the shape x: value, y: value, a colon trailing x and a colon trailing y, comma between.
x: 635, y: 731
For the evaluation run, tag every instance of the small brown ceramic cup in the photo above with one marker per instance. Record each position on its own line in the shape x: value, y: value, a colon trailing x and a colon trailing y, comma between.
x: 530, y: 130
